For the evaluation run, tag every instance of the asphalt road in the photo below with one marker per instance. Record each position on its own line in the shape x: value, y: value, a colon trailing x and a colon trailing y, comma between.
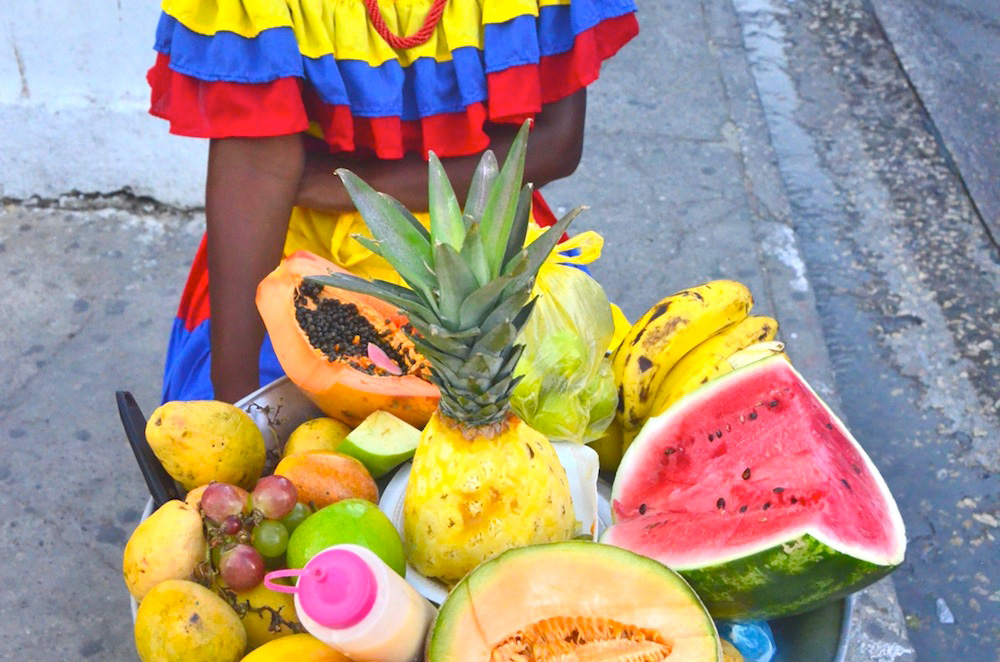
x: 950, y: 52
x: 906, y: 274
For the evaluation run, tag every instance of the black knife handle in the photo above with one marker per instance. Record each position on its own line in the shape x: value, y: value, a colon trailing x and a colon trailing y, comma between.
x: 161, y: 485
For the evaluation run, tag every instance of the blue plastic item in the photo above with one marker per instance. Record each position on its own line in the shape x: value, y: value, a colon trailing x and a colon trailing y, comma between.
x: 753, y: 639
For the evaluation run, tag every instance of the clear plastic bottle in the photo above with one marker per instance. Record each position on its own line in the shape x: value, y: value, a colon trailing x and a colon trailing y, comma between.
x: 348, y: 598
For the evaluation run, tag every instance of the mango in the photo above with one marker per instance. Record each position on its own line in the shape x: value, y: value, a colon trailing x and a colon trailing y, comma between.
x: 167, y: 545
x: 298, y: 647
x: 325, y: 477
x: 193, y: 498
x: 318, y: 434
x: 257, y: 621
x: 201, y: 441
x: 180, y: 621
x: 730, y: 653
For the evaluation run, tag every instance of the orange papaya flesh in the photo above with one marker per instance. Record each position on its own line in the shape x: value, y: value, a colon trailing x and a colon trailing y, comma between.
x: 321, y: 336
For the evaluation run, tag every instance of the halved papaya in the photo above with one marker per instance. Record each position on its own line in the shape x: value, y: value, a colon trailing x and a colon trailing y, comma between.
x: 321, y: 336
x: 573, y: 601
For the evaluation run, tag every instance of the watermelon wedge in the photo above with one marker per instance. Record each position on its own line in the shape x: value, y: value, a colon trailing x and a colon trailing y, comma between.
x: 758, y: 495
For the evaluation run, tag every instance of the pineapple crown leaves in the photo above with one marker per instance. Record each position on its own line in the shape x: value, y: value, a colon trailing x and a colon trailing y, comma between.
x: 470, y: 276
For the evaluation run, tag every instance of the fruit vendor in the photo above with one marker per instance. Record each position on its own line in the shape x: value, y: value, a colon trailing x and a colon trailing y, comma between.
x: 288, y: 91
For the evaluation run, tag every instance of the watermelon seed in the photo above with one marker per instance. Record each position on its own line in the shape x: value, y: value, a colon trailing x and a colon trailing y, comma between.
x: 773, y: 403
x: 711, y: 437
x: 642, y: 509
x: 753, y: 416
x: 846, y: 484
x: 794, y: 500
x: 670, y: 451
x: 767, y: 505
x: 778, y: 490
x: 743, y: 509
x: 718, y: 434
x: 746, y: 474
x: 720, y: 504
x: 856, y: 468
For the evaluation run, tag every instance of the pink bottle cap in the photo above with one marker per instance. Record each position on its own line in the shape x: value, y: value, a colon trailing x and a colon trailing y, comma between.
x: 336, y: 589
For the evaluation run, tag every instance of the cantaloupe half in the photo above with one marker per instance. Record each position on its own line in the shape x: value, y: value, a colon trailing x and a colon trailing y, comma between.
x: 573, y: 601
x: 347, y: 388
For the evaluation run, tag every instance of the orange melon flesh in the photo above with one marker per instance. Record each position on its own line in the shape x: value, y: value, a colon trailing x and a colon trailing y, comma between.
x: 584, y: 583
x: 338, y: 389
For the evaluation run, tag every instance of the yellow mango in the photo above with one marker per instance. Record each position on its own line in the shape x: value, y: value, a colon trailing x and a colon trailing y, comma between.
x: 167, y: 545
x: 318, y: 434
x: 257, y: 623
x: 201, y: 441
x: 298, y: 647
x: 180, y: 621
x: 729, y: 653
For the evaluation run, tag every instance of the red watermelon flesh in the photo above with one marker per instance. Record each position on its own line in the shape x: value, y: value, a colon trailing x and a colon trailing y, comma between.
x: 753, y: 482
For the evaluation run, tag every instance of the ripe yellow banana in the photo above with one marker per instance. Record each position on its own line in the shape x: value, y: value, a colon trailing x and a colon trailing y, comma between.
x: 755, y: 353
x: 709, y: 359
x: 667, y: 332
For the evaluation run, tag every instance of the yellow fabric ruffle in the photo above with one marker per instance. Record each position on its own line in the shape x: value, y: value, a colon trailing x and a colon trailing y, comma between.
x: 341, y: 27
x: 330, y: 236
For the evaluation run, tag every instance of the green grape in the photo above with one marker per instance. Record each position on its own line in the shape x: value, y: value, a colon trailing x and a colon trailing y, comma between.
x: 292, y: 520
x: 270, y: 538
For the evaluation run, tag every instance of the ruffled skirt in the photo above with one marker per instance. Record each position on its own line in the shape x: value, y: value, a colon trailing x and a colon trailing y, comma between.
x: 230, y: 68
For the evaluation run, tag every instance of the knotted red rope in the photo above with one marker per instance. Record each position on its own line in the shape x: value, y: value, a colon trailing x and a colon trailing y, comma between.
x: 417, y: 38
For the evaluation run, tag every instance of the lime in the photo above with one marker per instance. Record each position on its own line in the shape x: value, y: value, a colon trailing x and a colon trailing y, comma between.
x: 353, y: 521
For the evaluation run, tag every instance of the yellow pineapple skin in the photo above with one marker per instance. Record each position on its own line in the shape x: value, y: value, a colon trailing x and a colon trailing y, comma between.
x: 469, y: 500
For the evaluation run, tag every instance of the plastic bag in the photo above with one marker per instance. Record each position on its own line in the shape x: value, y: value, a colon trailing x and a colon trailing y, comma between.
x: 567, y: 389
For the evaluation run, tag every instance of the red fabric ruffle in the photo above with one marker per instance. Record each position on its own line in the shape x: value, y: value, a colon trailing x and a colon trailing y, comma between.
x: 519, y: 92
x: 205, y: 109
x: 451, y: 134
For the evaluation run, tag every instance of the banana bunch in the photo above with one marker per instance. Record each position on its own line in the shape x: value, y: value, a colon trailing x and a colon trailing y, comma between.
x: 684, y: 341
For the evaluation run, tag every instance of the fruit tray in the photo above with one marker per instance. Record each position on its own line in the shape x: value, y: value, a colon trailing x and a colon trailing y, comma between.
x: 817, y: 636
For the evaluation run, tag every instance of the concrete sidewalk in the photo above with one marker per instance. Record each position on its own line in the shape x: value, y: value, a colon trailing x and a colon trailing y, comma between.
x: 681, y: 180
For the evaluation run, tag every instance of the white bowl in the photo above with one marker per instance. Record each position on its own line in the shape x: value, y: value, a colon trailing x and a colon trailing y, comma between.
x: 589, y: 504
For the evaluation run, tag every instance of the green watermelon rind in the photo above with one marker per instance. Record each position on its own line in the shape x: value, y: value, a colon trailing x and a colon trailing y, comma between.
x: 755, y: 583
x: 785, y: 579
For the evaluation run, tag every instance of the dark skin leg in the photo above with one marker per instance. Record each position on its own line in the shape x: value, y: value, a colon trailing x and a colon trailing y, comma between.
x: 249, y: 194
x: 254, y: 182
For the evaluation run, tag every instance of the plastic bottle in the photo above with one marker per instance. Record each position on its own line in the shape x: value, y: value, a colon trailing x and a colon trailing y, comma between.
x: 348, y: 598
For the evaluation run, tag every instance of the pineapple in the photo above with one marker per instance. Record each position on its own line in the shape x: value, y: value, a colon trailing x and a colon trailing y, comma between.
x: 483, y: 481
